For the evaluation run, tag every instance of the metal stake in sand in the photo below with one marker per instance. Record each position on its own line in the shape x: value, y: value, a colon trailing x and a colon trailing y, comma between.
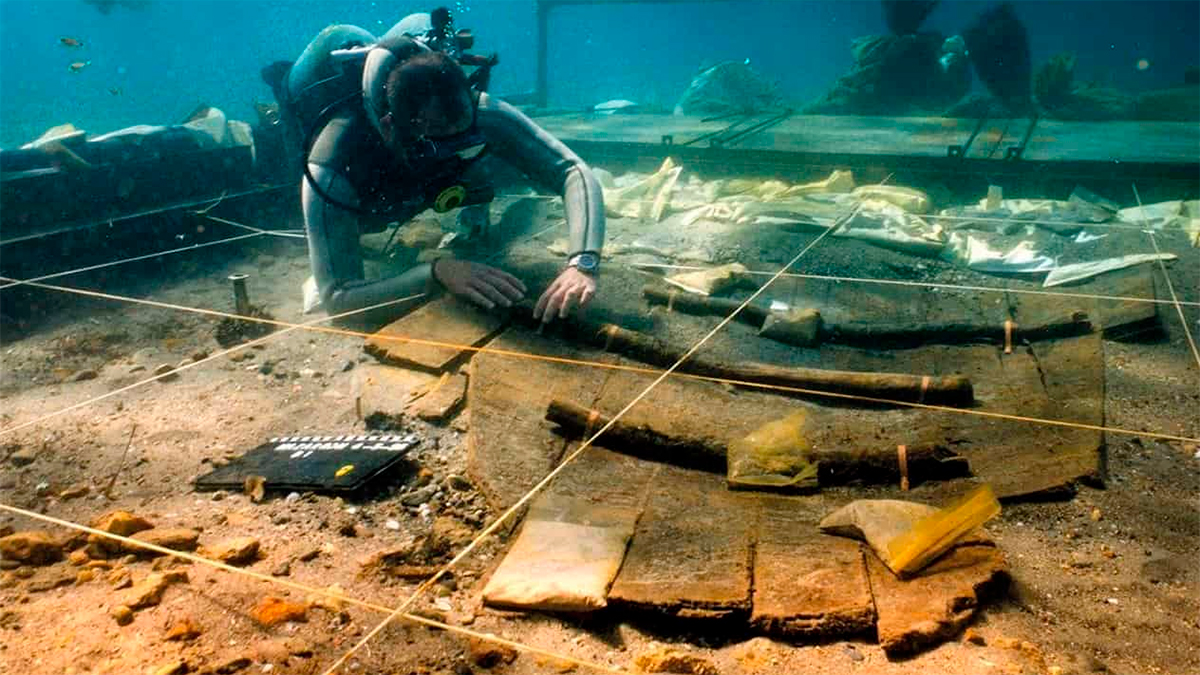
x: 241, y: 300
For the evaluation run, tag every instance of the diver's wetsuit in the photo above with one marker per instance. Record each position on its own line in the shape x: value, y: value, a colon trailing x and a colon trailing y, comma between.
x: 351, y: 164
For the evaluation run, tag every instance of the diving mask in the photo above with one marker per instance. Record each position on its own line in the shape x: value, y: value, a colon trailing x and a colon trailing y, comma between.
x: 464, y: 147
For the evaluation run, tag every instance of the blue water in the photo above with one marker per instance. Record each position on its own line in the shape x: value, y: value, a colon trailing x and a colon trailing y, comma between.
x: 177, y: 54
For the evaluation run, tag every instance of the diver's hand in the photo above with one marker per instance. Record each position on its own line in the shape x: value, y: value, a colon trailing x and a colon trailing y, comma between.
x: 483, y: 285
x: 571, y: 287
x: 493, y: 60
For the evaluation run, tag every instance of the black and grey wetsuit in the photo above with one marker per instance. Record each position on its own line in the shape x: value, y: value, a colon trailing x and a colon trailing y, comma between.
x: 351, y: 164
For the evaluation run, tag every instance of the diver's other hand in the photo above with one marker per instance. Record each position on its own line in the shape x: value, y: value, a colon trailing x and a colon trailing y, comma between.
x: 483, y: 285
x: 571, y: 287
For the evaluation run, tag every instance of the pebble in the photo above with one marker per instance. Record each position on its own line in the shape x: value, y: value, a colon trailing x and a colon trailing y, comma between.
x: 419, y: 496
x: 392, y: 525
x: 1113, y: 601
x: 237, y: 551
x: 33, y: 547
x: 219, y: 495
x: 84, y: 375
x: 292, y: 498
x: 122, y: 614
x: 1096, y: 515
x: 272, y: 611
x: 166, y: 372
x: 458, y: 483
x: 282, y: 569
x: 41, y: 488
x: 75, y: 491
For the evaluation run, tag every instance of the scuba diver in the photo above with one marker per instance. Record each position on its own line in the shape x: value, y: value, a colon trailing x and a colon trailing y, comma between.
x: 391, y: 128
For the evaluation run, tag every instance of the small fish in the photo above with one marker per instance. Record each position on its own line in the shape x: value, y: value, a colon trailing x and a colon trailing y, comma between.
x: 70, y: 42
x: 115, y: 91
x: 78, y: 66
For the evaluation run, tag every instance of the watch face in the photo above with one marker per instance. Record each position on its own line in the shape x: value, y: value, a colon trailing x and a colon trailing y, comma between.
x: 587, y: 262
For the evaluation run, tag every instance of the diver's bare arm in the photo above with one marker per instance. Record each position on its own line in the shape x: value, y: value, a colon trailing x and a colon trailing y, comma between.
x: 518, y: 140
x: 334, y: 254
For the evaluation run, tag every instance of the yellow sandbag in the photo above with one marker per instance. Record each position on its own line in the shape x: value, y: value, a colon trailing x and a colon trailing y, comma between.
x: 837, y: 182
x: 913, y: 201
x: 647, y: 198
x: 773, y: 457
x: 709, y: 281
x: 933, y: 535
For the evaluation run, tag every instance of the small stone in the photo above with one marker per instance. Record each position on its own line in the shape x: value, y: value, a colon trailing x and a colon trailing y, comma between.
x: 1054, y: 670
x: 166, y: 373
x: 51, y: 582
x: 272, y: 611
x: 459, y: 483
x: 419, y: 496
x: 182, y: 630
x: 282, y: 568
x: 255, y: 487
x: 78, y: 558
x: 121, y: 523
x: 41, y: 489
x: 34, y: 547
x: 281, y: 519
x: 146, y: 592
x: 23, y: 457
x: 1096, y: 515
x: 852, y: 652
x: 331, y: 600
x: 84, y: 375
x: 237, y: 551
x: 229, y: 664
x: 175, y: 667
x: 122, y: 614
x: 487, y: 654
x: 84, y: 576
x: 120, y: 578
x: 75, y: 491
x: 392, y: 524
x: 200, y: 355
x: 972, y: 636
x: 176, y: 539
x: 449, y: 532
x: 1113, y: 601
x: 219, y: 495
x: 308, y: 555
x: 670, y: 660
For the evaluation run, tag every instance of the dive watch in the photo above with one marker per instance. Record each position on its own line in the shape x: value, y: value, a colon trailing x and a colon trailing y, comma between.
x: 586, y: 262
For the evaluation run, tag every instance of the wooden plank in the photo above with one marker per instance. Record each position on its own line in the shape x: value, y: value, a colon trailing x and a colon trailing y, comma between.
x: 807, y: 584
x: 936, y: 604
x: 574, y: 536
x: 510, y: 446
x: 1018, y: 457
x: 1121, y: 317
x: 453, y: 323
x: 1061, y: 381
x: 691, y: 554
